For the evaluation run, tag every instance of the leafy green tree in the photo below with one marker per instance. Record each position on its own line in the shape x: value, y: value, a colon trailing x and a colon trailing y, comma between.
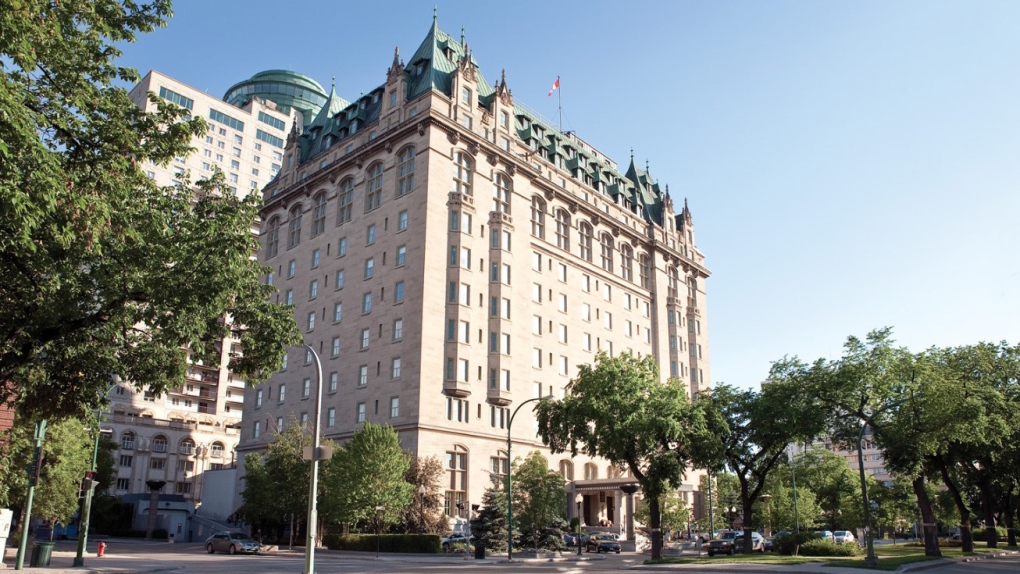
x: 67, y: 455
x: 761, y: 424
x: 619, y: 409
x: 674, y: 514
x: 276, y: 483
x: 90, y: 247
x: 365, y: 473
x: 897, y: 508
x: 489, y: 526
x: 539, y: 497
x: 425, y: 513
x: 781, y: 512
x: 835, y: 486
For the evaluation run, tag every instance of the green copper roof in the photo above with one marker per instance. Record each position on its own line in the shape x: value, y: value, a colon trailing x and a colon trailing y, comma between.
x: 433, y: 63
x: 284, y: 88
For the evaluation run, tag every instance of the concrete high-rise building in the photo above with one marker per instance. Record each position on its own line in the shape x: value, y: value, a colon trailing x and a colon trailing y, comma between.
x: 193, y: 429
x: 450, y: 254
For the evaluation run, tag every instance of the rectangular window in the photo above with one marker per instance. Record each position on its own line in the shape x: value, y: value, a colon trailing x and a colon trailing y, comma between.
x: 311, y: 321
x: 338, y: 312
x: 370, y: 235
x: 291, y: 268
x: 332, y: 381
x: 306, y: 388
x: 331, y: 417
x: 562, y: 303
x: 226, y: 120
x: 464, y: 333
x: 126, y: 460
x: 563, y: 334
x: 462, y: 370
x: 536, y: 325
x: 256, y: 430
x: 366, y: 303
x: 258, y: 398
x: 269, y: 138
x: 401, y: 255
x: 275, y: 122
x: 362, y: 375
x: 341, y: 247
x: 394, y: 407
x: 402, y: 221
x: 536, y: 358
x: 176, y: 98
x: 587, y: 342
x: 586, y: 283
x: 369, y: 267
x: 398, y: 329
x: 398, y: 292
x: 282, y: 393
x: 608, y: 319
x: 395, y: 368
x: 315, y: 258
x: 365, y: 338
x: 313, y: 289
x: 335, y: 347
x: 465, y: 294
x: 361, y: 412
x: 465, y: 258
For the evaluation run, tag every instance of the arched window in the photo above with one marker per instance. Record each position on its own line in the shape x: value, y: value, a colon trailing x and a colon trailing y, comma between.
x: 646, y: 271
x: 159, y: 443
x: 294, y: 227
x: 567, y: 469
x: 319, y: 214
x: 373, y: 187
x: 538, y: 217
x: 463, y: 168
x: 584, y: 233
x: 673, y: 281
x: 692, y: 288
x: 216, y: 450
x: 456, y: 483
x: 499, y: 466
x: 127, y: 440
x: 612, y: 472
x: 563, y: 229
x: 591, y: 472
x: 346, y: 201
x: 501, y: 194
x: 187, y: 447
x: 273, y: 238
x: 607, y: 252
x: 405, y: 180
x: 626, y: 262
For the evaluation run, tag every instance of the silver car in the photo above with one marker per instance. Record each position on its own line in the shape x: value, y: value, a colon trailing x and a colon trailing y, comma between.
x: 232, y: 543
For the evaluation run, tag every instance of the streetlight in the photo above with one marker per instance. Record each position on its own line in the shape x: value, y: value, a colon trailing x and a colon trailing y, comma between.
x: 579, y: 499
x: 378, y: 527
x: 421, y: 508
x: 315, y: 455
x: 768, y: 515
x: 509, y: 470
x: 86, y: 510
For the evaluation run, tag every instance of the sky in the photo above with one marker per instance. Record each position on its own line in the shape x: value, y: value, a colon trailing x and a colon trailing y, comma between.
x: 849, y: 165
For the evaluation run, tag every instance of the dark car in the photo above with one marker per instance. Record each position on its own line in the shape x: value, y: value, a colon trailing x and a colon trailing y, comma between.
x: 722, y: 543
x: 232, y: 543
x: 757, y: 542
x: 602, y: 543
x: 570, y: 539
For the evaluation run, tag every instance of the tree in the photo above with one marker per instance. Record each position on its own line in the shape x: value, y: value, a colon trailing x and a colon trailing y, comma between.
x: 897, y: 508
x: 619, y: 409
x: 276, y: 483
x: 674, y: 513
x: 489, y: 526
x: 365, y: 473
x: 539, y: 497
x: 761, y: 425
x: 781, y: 512
x: 90, y: 248
x: 835, y: 486
x: 425, y: 514
x: 67, y: 455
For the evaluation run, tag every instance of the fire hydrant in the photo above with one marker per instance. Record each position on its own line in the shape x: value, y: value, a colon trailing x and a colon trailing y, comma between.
x: 101, y: 549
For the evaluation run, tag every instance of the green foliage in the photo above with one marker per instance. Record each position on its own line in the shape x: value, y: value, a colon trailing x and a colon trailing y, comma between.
x: 780, y: 513
x: 788, y: 543
x: 367, y: 472
x: 538, y: 497
x: 489, y: 525
x: 548, y: 537
x: 618, y: 408
x: 981, y: 535
x: 276, y: 483
x: 673, y: 512
x: 425, y: 514
x: 106, y: 469
x: 407, y: 543
x: 836, y: 487
x: 90, y: 247
x: 819, y: 547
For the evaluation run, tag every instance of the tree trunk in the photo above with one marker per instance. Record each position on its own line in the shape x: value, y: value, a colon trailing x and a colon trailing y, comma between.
x: 1008, y: 518
x: 991, y: 535
x: 966, y: 535
x: 748, y: 540
x: 655, y: 517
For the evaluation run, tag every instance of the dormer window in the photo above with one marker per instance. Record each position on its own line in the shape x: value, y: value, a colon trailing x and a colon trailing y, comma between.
x: 375, y: 98
x: 419, y: 69
x: 448, y: 52
x: 465, y: 96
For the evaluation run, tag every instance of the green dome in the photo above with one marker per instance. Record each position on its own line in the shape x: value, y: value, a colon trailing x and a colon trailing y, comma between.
x: 284, y: 88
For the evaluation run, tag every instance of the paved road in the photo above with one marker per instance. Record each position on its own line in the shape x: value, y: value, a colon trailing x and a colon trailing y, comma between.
x: 139, y: 556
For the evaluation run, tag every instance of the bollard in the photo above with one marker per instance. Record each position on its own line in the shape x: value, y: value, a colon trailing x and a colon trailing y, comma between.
x: 101, y: 549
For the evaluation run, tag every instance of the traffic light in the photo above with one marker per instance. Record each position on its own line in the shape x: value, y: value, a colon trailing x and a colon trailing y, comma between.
x: 87, y: 484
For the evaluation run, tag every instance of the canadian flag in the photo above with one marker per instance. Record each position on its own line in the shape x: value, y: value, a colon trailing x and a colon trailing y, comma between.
x: 555, y: 86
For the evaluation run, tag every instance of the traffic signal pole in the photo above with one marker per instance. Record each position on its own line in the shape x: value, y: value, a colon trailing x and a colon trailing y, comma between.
x: 33, y: 478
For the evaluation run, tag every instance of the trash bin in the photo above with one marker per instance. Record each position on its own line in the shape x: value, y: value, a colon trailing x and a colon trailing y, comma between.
x: 479, y: 551
x: 41, y: 553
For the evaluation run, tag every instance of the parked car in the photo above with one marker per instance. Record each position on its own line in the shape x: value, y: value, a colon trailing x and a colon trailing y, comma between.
x: 770, y: 542
x: 570, y: 539
x: 602, y: 543
x: 757, y: 542
x: 824, y: 534
x: 232, y: 543
x: 448, y: 542
x: 843, y: 537
x: 722, y: 543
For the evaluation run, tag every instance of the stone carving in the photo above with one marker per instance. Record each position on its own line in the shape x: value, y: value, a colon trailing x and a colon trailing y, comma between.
x: 573, y: 207
x: 511, y: 169
x: 491, y: 158
x: 549, y: 194
x: 454, y: 137
x: 389, y: 146
x: 421, y: 128
x: 595, y: 220
x: 472, y: 148
x: 616, y: 231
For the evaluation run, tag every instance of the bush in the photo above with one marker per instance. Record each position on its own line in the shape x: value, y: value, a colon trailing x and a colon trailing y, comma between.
x: 979, y: 533
x: 819, y: 547
x: 410, y: 543
x: 785, y: 544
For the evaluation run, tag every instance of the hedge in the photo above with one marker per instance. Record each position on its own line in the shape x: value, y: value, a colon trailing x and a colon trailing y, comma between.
x: 820, y: 547
x: 979, y: 533
x: 785, y: 544
x: 408, y: 543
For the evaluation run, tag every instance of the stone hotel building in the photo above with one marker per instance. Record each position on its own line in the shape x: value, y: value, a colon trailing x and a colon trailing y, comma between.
x: 450, y: 254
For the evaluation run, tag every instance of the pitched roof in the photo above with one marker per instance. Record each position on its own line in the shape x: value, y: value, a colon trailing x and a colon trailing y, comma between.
x: 432, y: 65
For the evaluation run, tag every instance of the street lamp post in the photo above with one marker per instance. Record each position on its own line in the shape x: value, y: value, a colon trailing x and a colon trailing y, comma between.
x: 579, y: 499
x: 509, y: 491
x: 313, y: 486
x: 768, y: 514
x: 421, y: 508
x: 796, y: 513
x: 86, y: 510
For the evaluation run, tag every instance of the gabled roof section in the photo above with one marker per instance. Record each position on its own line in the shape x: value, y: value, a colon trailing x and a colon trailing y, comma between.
x: 334, y: 104
x: 646, y: 194
x: 434, y: 62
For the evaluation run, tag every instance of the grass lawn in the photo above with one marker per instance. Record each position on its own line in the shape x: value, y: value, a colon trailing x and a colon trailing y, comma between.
x: 890, y: 557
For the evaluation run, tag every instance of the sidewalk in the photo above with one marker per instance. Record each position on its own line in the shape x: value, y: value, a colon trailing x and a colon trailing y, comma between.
x: 815, y: 568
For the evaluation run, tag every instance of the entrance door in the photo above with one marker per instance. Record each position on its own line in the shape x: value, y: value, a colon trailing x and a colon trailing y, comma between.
x: 611, y: 509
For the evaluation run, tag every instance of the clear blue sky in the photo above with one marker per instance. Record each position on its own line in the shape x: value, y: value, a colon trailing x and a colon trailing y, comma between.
x: 849, y: 165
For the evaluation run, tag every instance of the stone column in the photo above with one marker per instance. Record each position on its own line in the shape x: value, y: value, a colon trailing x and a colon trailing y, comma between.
x: 154, y: 487
x: 629, y: 490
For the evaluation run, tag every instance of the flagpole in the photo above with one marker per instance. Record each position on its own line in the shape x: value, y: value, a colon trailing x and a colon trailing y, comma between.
x: 559, y: 97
